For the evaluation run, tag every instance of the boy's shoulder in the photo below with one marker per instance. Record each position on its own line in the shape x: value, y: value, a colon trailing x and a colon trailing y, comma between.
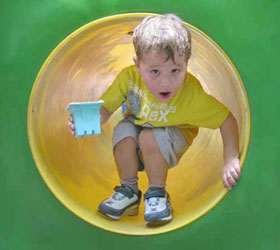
x: 129, y: 73
x: 192, y: 81
x: 129, y: 69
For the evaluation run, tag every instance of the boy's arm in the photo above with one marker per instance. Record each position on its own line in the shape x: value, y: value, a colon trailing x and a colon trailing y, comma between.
x: 104, y: 115
x: 230, y: 136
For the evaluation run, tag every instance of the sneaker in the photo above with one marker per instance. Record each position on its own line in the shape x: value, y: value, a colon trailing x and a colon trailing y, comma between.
x: 157, y: 207
x: 123, y: 201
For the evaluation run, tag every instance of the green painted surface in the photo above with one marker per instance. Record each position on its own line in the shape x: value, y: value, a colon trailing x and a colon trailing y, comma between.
x: 247, y: 218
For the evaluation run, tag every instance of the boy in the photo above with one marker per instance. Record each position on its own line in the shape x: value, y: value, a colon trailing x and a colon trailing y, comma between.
x: 165, y: 107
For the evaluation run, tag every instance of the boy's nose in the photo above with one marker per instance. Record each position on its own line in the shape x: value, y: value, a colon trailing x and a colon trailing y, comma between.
x: 164, y: 83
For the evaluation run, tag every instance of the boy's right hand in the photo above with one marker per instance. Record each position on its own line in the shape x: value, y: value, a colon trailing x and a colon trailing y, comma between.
x: 71, y: 125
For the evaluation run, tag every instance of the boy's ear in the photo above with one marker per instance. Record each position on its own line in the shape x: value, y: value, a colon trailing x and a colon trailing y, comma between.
x: 136, y: 61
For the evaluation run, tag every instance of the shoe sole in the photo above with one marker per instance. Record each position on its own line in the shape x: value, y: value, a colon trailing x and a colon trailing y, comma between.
x: 133, y: 210
x: 159, y: 222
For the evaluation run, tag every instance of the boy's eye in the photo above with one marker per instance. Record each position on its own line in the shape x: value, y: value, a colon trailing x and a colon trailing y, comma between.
x: 175, y: 71
x: 155, y: 71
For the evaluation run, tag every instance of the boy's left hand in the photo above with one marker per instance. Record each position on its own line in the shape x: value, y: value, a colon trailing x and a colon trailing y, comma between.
x: 231, y: 172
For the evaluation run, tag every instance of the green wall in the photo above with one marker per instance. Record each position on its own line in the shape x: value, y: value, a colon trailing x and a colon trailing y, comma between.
x: 247, y: 218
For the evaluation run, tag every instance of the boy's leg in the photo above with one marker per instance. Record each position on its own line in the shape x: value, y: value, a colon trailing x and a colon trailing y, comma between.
x: 126, y: 158
x: 161, y: 148
x: 155, y: 164
x: 157, y: 205
x: 125, y: 149
x: 126, y: 198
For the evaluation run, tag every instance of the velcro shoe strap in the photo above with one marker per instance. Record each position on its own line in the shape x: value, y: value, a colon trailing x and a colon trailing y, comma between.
x: 155, y: 193
x: 125, y: 190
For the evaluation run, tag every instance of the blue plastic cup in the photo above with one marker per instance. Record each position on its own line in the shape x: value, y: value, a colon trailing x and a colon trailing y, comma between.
x: 86, y: 117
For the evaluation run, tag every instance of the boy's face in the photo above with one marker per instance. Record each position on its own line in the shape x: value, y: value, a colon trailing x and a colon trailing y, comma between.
x: 162, y: 78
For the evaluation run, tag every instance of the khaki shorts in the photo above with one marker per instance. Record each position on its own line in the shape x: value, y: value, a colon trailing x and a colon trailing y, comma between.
x: 170, y: 140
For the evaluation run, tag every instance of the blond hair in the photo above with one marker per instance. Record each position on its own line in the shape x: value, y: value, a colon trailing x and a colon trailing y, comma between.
x: 165, y: 32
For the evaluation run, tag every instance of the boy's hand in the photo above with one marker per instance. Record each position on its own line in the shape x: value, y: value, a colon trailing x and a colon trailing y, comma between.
x: 231, y: 172
x: 71, y: 125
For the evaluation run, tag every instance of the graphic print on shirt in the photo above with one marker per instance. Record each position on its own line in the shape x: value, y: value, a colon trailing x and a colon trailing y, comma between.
x: 134, y: 102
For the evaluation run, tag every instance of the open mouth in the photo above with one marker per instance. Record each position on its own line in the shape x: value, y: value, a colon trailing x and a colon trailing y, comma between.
x: 165, y: 95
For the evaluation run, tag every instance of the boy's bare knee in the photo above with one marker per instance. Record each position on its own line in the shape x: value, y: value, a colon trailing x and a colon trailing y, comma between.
x: 147, y: 141
x: 127, y: 142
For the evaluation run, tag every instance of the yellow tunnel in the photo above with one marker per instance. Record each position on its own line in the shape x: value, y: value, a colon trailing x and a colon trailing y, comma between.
x: 81, y: 172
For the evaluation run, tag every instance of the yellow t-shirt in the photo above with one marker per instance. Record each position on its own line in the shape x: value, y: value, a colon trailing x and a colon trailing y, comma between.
x: 189, y: 109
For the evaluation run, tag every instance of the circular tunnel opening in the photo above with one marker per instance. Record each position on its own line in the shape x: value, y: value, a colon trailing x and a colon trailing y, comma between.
x: 81, y: 172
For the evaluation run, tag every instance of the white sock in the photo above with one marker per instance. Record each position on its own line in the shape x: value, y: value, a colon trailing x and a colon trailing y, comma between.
x: 131, y: 182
